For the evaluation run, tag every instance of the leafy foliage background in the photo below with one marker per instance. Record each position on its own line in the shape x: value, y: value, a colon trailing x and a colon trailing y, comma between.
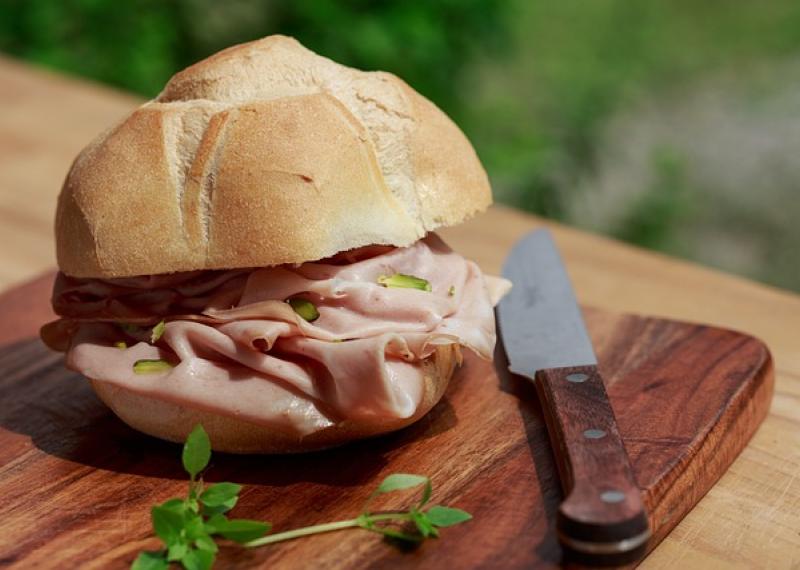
x: 659, y: 123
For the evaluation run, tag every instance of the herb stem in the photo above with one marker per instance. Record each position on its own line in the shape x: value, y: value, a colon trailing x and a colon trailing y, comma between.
x: 305, y: 531
x: 327, y: 527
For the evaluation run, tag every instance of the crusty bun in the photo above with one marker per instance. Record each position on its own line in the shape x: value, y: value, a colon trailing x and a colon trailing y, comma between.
x: 172, y: 422
x: 264, y: 154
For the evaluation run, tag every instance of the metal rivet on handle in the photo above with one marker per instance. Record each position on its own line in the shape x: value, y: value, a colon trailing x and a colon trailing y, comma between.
x: 594, y: 433
x: 612, y: 496
x: 577, y: 377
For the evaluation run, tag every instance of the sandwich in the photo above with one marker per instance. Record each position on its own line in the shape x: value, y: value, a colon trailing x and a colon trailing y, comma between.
x: 255, y: 250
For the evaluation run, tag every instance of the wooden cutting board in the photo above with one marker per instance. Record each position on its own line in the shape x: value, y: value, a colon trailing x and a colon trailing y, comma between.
x: 76, y: 484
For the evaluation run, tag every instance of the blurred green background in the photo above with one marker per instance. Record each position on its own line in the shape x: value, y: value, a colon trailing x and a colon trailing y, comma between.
x: 671, y: 125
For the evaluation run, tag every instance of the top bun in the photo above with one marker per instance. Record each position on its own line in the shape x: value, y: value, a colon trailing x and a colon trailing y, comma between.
x: 264, y: 154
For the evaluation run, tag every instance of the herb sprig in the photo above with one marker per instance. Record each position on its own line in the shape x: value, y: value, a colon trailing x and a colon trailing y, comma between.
x: 187, y: 526
x: 392, y: 524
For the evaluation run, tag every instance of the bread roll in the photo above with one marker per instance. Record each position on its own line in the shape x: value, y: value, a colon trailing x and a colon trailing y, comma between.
x: 261, y: 155
x: 264, y: 154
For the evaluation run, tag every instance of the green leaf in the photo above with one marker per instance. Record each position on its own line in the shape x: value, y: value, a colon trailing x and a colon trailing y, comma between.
x: 194, y: 527
x: 446, y: 516
x: 221, y: 497
x: 176, y: 551
x: 151, y: 366
x: 208, y: 511
x: 167, y: 523
x: 402, y: 281
x: 157, y: 331
x: 198, y: 560
x: 178, y: 505
x: 424, y: 526
x: 196, y: 451
x: 400, y: 481
x: 304, y: 308
x: 241, y: 530
x: 205, y: 542
x: 214, y: 522
x: 150, y: 560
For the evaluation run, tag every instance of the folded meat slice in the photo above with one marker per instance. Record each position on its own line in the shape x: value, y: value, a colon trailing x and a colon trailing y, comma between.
x: 240, y: 350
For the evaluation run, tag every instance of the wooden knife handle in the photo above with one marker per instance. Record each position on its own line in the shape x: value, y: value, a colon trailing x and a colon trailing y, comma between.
x: 602, y: 520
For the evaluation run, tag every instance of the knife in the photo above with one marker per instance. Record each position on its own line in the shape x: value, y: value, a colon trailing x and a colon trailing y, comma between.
x: 602, y: 520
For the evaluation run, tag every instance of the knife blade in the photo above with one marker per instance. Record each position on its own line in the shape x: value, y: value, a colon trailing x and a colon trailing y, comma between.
x: 602, y: 520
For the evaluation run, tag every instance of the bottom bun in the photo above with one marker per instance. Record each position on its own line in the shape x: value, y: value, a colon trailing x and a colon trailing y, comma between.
x: 172, y: 422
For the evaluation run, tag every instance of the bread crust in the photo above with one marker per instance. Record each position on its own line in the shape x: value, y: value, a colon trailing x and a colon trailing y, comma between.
x: 264, y: 154
x: 172, y: 422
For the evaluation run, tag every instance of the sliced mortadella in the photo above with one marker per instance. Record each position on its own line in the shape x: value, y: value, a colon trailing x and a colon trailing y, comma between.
x: 242, y: 351
x: 221, y: 387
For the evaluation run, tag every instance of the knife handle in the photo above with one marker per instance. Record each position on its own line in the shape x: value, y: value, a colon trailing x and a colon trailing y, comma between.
x: 602, y: 520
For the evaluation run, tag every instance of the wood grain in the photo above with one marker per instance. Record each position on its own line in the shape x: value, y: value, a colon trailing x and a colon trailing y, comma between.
x: 748, y: 520
x: 76, y: 484
x: 592, y: 463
